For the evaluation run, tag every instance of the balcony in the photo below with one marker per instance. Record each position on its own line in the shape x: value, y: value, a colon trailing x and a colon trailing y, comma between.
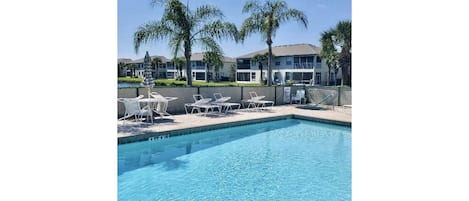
x: 198, y: 67
x: 318, y: 65
x: 305, y: 65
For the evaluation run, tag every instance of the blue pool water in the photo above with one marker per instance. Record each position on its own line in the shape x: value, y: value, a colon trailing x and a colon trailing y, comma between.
x: 279, y: 160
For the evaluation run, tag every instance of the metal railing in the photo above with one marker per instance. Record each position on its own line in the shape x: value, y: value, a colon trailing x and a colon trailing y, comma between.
x: 305, y: 65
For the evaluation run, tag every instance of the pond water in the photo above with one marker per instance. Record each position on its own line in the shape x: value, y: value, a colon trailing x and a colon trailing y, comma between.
x: 128, y: 84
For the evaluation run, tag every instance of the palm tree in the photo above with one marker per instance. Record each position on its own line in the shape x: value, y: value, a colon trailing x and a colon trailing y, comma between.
x: 329, y: 52
x: 266, y: 19
x: 155, y: 62
x: 260, y: 59
x: 184, y: 28
x: 120, y: 67
x: 178, y: 63
x: 340, y: 36
x: 214, y: 59
x: 132, y: 69
x: 343, y: 33
x: 232, y: 75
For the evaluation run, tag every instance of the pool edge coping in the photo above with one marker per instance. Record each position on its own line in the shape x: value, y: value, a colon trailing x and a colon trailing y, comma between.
x: 185, y: 131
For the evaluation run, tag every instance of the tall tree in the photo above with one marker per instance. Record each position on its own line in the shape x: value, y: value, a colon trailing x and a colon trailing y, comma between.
x: 132, y: 69
x: 120, y: 68
x: 232, y: 77
x: 178, y: 63
x: 213, y: 59
x: 343, y: 34
x: 266, y: 19
x: 184, y: 28
x: 339, y: 36
x: 155, y: 62
x: 260, y: 59
x: 329, y: 53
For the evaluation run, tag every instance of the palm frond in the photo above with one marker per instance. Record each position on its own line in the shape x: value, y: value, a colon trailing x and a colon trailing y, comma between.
x: 176, y: 13
x: 149, y: 32
x: 209, y: 44
x: 206, y: 12
x: 219, y: 29
x: 344, y: 33
x: 213, y: 58
x: 250, y: 25
x: 175, y: 44
x: 293, y: 14
x: 252, y: 6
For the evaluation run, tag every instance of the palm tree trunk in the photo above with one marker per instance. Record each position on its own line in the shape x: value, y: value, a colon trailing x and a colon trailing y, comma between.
x: 187, y: 54
x: 260, y: 68
x: 269, y: 64
x: 206, y: 73
x: 157, y: 71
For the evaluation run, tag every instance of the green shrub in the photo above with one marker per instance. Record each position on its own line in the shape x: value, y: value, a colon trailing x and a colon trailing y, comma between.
x: 181, y: 78
x: 129, y: 79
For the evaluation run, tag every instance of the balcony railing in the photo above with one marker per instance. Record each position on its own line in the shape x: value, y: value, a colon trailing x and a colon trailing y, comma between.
x: 305, y: 65
x: 318, y: 65
x: 198, y: 67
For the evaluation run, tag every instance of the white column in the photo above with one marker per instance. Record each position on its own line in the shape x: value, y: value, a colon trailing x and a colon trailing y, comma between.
x: 314, y: 61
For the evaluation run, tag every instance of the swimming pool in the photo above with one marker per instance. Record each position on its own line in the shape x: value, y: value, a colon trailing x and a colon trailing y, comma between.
x: 287, y: 159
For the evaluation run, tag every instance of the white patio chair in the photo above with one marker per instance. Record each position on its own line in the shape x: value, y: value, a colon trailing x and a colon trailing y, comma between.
x: 133, y: 108
x: 201, y: 103
x: 162, y: 104
x: 299, y: 96
x: 256, y: 101
x: 222, y: 101
x: 254, y: 96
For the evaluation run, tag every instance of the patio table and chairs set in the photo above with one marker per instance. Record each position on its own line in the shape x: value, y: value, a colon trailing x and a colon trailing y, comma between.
x: 140, y: 107
x: 157, y: 104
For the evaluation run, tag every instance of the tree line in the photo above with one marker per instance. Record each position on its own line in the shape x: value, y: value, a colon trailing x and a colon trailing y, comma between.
x: 183, y: 28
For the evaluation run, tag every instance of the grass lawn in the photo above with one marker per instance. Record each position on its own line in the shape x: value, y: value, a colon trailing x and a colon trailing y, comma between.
x: 166, y: 82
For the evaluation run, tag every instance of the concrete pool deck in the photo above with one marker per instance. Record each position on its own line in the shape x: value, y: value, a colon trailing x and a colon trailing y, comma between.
x: 179, y: 124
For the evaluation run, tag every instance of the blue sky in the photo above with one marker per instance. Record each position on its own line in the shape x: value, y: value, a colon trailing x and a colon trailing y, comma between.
x: 322, y: 15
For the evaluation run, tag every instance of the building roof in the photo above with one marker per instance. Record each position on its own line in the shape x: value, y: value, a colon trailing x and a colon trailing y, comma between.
x: 194, y: 57
x: 163, y: 59
x: 124, y: 60
x: 199, y: 57
x: 287, y: 50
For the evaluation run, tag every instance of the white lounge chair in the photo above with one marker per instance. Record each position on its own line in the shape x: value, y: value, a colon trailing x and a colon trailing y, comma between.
x: 133, y: 108
x: 299, y: 96
x: 162, y: 104
x: 201, y: 103
x: 222, y: 101
x: 256, y: 101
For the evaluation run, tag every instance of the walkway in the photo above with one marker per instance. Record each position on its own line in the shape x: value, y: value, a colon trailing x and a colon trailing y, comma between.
x: 179, y: 122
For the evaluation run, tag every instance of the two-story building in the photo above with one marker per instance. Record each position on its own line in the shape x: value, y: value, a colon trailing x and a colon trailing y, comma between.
x: 199, y: 68
x: 157, y: 72
x: 166, y: 69
x: 299, y: 63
